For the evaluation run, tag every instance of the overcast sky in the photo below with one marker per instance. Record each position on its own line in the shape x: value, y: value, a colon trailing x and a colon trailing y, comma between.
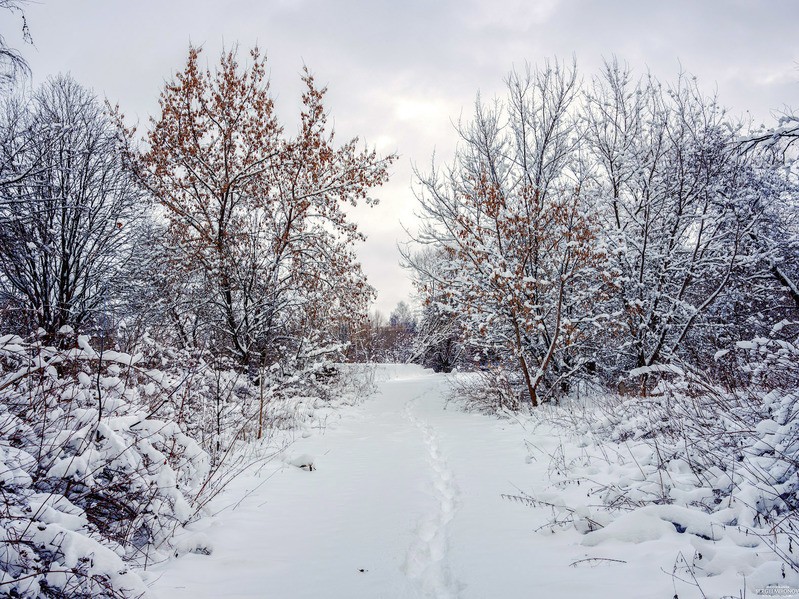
x: 399, y: 72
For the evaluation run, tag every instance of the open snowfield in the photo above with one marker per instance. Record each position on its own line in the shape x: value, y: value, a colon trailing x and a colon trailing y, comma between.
x: 405, y: 500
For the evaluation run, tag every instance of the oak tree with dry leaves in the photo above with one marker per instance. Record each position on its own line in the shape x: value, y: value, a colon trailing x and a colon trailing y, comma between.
x: 256, y: 218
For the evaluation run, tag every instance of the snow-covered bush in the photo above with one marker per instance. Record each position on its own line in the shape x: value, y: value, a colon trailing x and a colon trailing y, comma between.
x: 730, y: 452
x: 218, y: 404
x: 92, y: 483
x: 493, y: 391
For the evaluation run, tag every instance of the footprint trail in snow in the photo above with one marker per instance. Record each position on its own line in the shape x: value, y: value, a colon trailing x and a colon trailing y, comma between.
x: 405, y: 502
x: 427, y: 562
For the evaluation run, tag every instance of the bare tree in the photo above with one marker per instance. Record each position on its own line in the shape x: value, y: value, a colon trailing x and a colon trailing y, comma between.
x: 68, y: 207
x: 778, y: 236
x: 778, y: 140
x: 676, y: 201
x: 12, y: 63
x: 437, y: 342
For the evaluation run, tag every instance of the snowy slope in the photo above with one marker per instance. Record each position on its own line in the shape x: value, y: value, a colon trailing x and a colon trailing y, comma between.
x: 405, y: 500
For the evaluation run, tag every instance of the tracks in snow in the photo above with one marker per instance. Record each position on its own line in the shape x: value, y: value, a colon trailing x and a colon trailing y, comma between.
x: 426, y: 562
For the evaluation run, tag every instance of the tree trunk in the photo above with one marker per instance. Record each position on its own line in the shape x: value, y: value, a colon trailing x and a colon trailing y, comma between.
x: 523, y: 364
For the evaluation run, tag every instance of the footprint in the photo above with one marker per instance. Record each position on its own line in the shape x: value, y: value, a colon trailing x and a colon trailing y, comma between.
x: 426, y: 560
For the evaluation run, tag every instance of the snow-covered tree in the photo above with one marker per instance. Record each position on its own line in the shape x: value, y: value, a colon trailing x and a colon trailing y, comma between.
x: 69, y: 208
x: 257, y: 226
x: 402, y: 316
x: 510, y: 217
x: 437, y: 343
x: 777, y: 237
x: 678, y: 204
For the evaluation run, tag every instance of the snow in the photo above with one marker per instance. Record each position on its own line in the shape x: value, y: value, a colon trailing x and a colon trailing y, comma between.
x: 405, y: 495
x: 656, y: 368
x: 655, y: 522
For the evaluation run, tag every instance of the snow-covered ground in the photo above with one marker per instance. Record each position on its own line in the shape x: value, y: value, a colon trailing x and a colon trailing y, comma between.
x: 402, y: 496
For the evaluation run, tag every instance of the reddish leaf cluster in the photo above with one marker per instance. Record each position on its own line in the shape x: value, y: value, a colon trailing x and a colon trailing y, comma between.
x: 259, y: 216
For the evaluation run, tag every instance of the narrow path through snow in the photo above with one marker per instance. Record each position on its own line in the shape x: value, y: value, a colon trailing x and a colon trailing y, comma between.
x: 405, y: 501
x: 427, y: 561
x: 353, y: 527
